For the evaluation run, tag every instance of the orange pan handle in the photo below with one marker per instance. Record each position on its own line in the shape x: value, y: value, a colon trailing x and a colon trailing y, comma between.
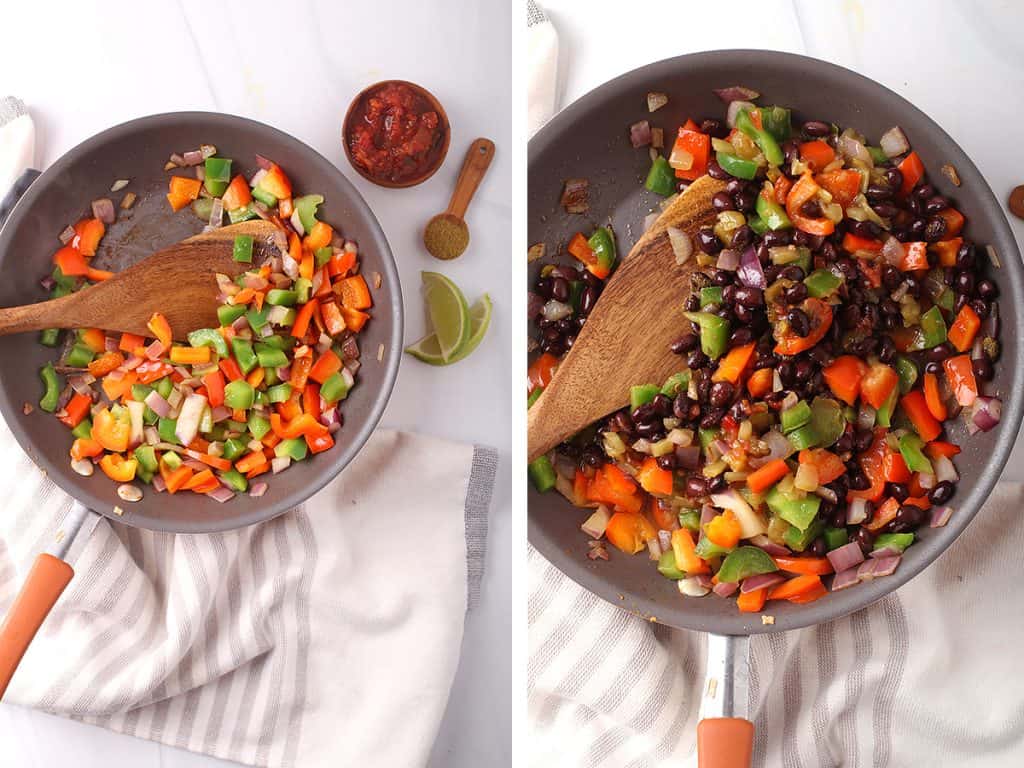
x: 725, y: 742
x: 45, y: 583
x: 725, y: 738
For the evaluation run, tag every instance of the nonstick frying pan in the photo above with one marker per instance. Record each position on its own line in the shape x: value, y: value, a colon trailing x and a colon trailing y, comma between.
x: 589, y: 140
x: 137, y: 150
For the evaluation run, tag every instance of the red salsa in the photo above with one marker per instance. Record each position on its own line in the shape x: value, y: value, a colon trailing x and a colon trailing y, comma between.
x: 395, y: 133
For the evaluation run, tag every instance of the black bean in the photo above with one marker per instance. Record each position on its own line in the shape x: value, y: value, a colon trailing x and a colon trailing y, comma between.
x: 555, y: 348
x: 894, y: 177
x: 775, y: 238
x: 748, y: 296
x: 886, y: 350
x: 829, y: 252
x: 857, y: 479
x: 742, y: 237
x: 741, y: 337
x: 746, y: 200
x: 866, y: 229
x: 803, y: 370
x: 935, y: 204
x: 696, y: 359
x: 838, y: 518
x: 924, y: 191
x: 743, y: 314
x: 908, y: 518
x: 662, y: 405
x: 739, y: 410
x: 987, y: 290
x: 898, y: 491
x: 980, y: 307
x: 795, y: 294
x: 965, y: 256
x: 940, y: 352
x: 865, y: 539
x: 721, y: 394
x: 566, y: 325
x: 735, y: 186
x: 721, y: 277
x: 902, y: 234
x: 667, y: 462
x: 715, y: 128
x: 942, y: 492
x: 876, y: 193
x: 650, y: 430
x: 588, y: 299
x: 818, y: 547
x: 695, y: 486
x: 643, y: 414
x: 862, y: 440
x: 569, y: 341
x: 592, y: 457
x: 790, y: 152
x: 850, y: 316
x: 849, y: 268
x: 792, y: 272
x: 964, y: 283
x: 935, y: 229
x: 544, y: 287
x: 787, y: 373
x: 799, y: 322
x: 886, y: 210
x: 933, y: 367
x: 715, y: 171
x: 917, y: 227
x: 817, y: 128
x: 722, y: 201
x: 681, y: 406
x: 811, y: 209
x: 712, y: 418
x: 820, y: 354
x: 983, y: 370
x: 915, y: 206
x: 708, y: 241
x: 685, y: 343
x: 692, y: 303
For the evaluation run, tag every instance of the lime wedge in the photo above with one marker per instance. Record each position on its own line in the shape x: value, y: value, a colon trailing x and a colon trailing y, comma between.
x: 428, y: 349
x: 449, y: 313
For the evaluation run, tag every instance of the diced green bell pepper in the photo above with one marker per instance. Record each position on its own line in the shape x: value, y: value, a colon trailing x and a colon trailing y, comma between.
x: 822, y: 282
x: 711, y: 294
x: 269, y: 357
x: 306, y: 207
x: 244, y: 356
x: 827, y: 421
x: 835, y: 538
x: 280, y: 392
x: 878, y: 155
x: 798, y: 540
x: 302, y: 288
x: 67, y: 282
x: 235, y: 479
x: 233, y: 448
x: 756, y: 223
x: 258, y: 426
x: 280, y: 342
x: 217, y: 176
x: 707, y: 549
x: 803, y: 437
x: 242, y: 214
x: 641, y: 394
x: 667, y: 566
x: 84, y: 429
x: 911, y: 449
x: 714, y: 333
x: 228, y: 313
x: 736, y: 166
x: 883, y: 417
x: 257, y: 319
x: 743, y: 562
x: 166, y: 428
x: 796, y: 512
x: 294, y: 448
x: 202, y: 208
x: 676, y: 383
x: 533, y: 397
x: 946, y: 300
x: 239, y: 395
x: 51, y: 388
x: 60, y: 291
x: 164, y: 386
x: 907, y: 372
x: 281, y: 297
x: 777, y: 121
x: 895, y: 541
x: 661, y: 179
x: 690, y: 519
x: 542, y: 474
x: 707, y: 437
x: 264, y: 197
x: 172, y: 460
x: 933, y: 327
x: 334, y: 388
x: 771, y: 213
x: 767, y: 143
x: 209, y: 337
x: 242, y: 249
x: 795, y: 417
x: 602, y: 243
x: 322, y: 255
x: 80, y: 356
x: 147, y: 458
x: 49, y: 337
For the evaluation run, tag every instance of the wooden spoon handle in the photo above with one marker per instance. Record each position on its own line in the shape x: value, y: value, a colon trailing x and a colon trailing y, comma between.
x: 56, y: 313
x: 478, y: 159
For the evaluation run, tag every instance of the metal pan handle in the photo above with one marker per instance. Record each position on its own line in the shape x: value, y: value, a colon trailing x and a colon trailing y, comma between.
x: 15, y: 192
x: 725, y: 738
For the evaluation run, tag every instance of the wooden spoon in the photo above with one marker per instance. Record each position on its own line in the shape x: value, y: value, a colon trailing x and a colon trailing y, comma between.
x: 179, y: 282
x: 478, y: 159
x: 626, y: 338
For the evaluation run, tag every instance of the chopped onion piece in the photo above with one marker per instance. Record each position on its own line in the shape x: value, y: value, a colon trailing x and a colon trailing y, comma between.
x: 736, y: 93
x: 993, y: 256
x: 940, y: 516
x: 280, y: 463
x: 884, y: 566
x: 556, y: 310
x: 894, y: 142
x: 656, y: 100
x: 296, y: 223
x: 595, y: 525
x: 751, y: 523
x: 761, y: 581
x: 680, y: 159
x: 844, y: 579
x: 892, y: 251
x: 188, y: 419
x: 750, y: 271
x: 682, y: 245
x: 118, y: 185
x: 846, y: 557
x: 857, y: 512
x: 734, y: 109
x: 725, y: 589
x: 988, y: 412
x: 949, y: 171
x: 193, y: 157
x: 692, y: 586
x: 158, y: 404
x: 576, y: 196
x: 103, y: 209
x: 728, y: 259
x: 67, y: 235
x: 640, y: 134
x: 220, y: 495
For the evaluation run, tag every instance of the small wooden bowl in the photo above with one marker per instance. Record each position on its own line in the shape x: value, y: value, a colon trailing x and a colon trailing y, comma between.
x: 446, y: 135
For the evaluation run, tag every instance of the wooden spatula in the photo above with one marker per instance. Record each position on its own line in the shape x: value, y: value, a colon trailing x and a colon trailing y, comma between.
x: 626, y: 337
x: 177, y: 281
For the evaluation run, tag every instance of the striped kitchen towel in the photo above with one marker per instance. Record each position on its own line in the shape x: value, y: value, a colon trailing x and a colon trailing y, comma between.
x: 328, y: 636
x: 928, y: 676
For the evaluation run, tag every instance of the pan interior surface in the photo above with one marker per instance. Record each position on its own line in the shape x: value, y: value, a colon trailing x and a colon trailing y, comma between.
x: 589, y: 139
x: 137, y: 151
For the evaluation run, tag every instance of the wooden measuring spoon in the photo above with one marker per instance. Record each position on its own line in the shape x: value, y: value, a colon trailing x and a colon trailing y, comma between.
x: 446, y: 235
x: 177, y: 281
x: 626, y: 338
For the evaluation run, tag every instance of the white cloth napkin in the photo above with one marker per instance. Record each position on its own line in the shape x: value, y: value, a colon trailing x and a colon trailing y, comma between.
x: 328, y: 636
x: 930, y: 675
x: 542, y: 61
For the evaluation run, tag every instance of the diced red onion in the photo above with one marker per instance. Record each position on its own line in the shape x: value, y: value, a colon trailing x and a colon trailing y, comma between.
x: 201, y: 175
x: 82, y: 384
x: 990, y: 325
x: 220, y: 413
x: 67, y: 234
x: 207, y: 150
x: 263, y: 163
x: 761, y: 580
x: 926, y: 480
x: 734, y: 110
x: 576, y: 196
x: 779, y: 447
x: 853, y: 149
x: 103, y: 209
x: 736, y: 93
x: 290, y: 266
x: 216, y: 213
x: 728, y: 259
x: 844, y: 579
x: 221, y: 494
x: 158, y: 404
x: 177, y: 159
x: 192, y: 157
x: 254, y: 281
x: 846, y: 556
x: 725, y: 589
x: 266, y: 331
x: 155, y: 350
x: 656, y: 100
x: 883, y: 552
x: 277, y: 314
x: 534, y: 304
x: 750, y: 271
x: 151, y: 435
x: 194, y: 465
x: 688, y: 456
x: 775, y: 550
x: 988, y: 412
x: 940, y: 516
x: 258, y: 489
x: 665, y: 539
x: 857, y: 512
x: 47, y: 283
x: 555, y: 310
x: 866, y: 570
x: 109, y: 343
x: 886, y: 566
x: 241, y: 324
x: 707, y: 514
x: 704, y: 580
x: 158, y: 483
x: 826, y: 493
x: 894, y: 142
x: 640, y: 134
x: 330, y: 416
x: 280, y: 464
x: 296, y: 222
x: 682, y: 245
x: 654, y: 548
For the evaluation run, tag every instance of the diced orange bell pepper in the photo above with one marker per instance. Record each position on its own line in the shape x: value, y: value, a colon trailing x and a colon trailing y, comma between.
x: 301, y: 425
x: 71, y: 261
x: 954, y: 221
x: 933, y: 398
x: 752, y: 601
x: 88, y: 233
x: 190, y: 355
x: 724, y: 529
x: 256, y: 377
x: 915, y: 257
x: 731, y: 367
x: 913, y: 170
x: 844, y: 375
x: 119, y: 388
x: 98, y: 275
x: 828, y: 465
x: 580, y: 249
x: 311, y: 400
x: 872, y: 462
x: 105, y: 363
x: 782, y: 186
x: 151, y: 370
x: 877, y: 384
x: 687, y: 559
x: 319, y: 443
x: 817, y: 154
x: 947, y: 250
x: 175, y: 479
x: 964, y: 329
x: 327, y: 364
x: 611, y: 486
x: 130, y: 342
x: 160, y: 329
x: 354, y: 319
x: 814, y: 593
x: 182, y: 191
x: 112, y: 432
x: 85, y: 448
x: 354, y: 292
x: 341, y: 263
x: 883, y: 515
x: 795, y: 587
x: 199, y: 478
x: 333, y: 321
x: 94, y: 339
x: 765, y: 477
x: 231, y: 369
x: 276, y: 182
x: 654, y: 479
x: 629, y: 531
x: 760, y: 382
x: 541, y: 371
x: 319, y: 236
x: 118, y: 468
x: 960, y: 375
x: 926, y: 425
x: 304, y: 317
x: 237, y: 195
x: 214, y: 383
x: 808, y: 566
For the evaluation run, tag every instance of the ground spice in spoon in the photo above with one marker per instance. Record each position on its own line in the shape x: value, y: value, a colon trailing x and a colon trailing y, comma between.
x: 446, y: 237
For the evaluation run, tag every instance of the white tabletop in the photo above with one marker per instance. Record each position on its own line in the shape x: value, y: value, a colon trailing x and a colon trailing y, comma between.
x: 87, y: 65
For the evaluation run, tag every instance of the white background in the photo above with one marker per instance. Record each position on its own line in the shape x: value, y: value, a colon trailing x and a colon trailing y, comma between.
x: 84, y: 66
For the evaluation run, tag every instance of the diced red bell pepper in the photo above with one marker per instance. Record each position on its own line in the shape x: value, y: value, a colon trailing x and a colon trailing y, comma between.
x: 237, y: 195
x: 960, y: 375
x: 964, y: 329
x: 88, y: 233
x: 877, y: 384
x: 698, y: 145
x: 844, y: 376
x: 817, y: 154
x: 843, y: 185
x: 916, y: 408
x: 541, y: 370
x: 654, y: 479
x: 915, y: 257
x: 913, y: 171
x: 71, y: 261
x: 947, y: 250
